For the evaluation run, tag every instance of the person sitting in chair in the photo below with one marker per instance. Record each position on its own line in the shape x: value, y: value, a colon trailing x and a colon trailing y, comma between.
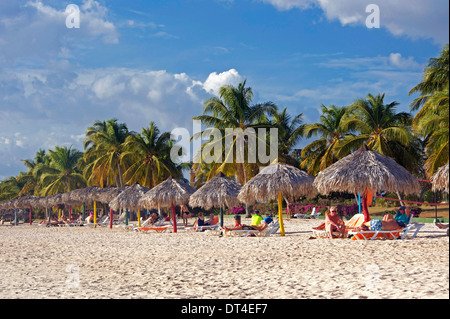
x: 333, y: 222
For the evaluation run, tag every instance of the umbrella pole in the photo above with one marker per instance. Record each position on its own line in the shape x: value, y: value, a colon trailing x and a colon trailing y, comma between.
x: 110, y: 218
x: 280, y: 213
x: 31, y: 213
x: 95, y: 214
x: 174, y: 218
x: 70, y: 213
x: 126, y: 216
x: 139, y: 217
x: 365, y: 209
x: 84, y: 210
x: 221, y: 216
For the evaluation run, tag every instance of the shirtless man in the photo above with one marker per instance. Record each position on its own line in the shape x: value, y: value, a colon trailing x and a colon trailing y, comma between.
x: 334, y: 222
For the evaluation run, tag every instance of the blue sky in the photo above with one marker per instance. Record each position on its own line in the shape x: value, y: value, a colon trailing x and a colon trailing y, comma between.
x: 159, y: 60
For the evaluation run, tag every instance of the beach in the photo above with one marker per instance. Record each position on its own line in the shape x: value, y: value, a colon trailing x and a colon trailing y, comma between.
x: 81, y: 262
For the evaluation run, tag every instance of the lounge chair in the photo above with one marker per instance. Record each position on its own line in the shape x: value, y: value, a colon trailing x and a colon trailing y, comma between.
x: 356, y: 221
x: 214, y: 226
x: 158, y: 229
x: 271, y: 229
x: 313, y: 214
x: 104, y: 221
x: 400, y: 233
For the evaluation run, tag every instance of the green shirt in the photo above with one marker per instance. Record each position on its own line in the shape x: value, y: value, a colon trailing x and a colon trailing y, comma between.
x: 256, y: 220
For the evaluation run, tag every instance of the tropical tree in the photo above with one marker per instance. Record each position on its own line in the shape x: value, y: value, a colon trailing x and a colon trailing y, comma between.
x: 31, y: 179
x: 11, y: 187
x: 104, y: 145
x: 148, y: 157
x: 381, y: 128
x: 435, y: 79
x: 62, y: 173
x: 233, y: 110
x: 290, y: 131
x: 321, y: 153
x: 432, y: 120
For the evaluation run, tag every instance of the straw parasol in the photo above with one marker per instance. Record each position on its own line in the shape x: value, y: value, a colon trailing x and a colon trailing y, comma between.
x: 364, y: 172
x: 220, y: 192
x: 129, y: 199
x: 26, y: 202
x: 171, y: 192
x: 440, y: 180
x: 276, y: 181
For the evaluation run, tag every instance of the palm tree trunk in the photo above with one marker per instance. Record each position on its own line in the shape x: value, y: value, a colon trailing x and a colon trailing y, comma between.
x: 120, y: 174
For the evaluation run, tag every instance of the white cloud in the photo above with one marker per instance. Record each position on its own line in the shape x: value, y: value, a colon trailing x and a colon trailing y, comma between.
x: 413, y: 18
x: 215, y: 81
x: 54, y: 106
x: 42, y: 29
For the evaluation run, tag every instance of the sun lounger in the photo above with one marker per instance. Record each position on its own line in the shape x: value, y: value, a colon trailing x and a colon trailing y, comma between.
x: 400, y: 233
x: 271, y: 229
x: 356, y: 221
x: 214, y: 226
x: 160, y: 229
x: 314, y: 214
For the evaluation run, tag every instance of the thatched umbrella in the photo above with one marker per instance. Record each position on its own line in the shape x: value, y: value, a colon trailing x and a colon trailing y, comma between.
x: 106, y: 195
x: 26, y: 202
x: 440, y: 180
x: 168, y: 193
x: 276, y: 181
x: 220, y: 192
x: 129, y: 199
x: 364, y: 172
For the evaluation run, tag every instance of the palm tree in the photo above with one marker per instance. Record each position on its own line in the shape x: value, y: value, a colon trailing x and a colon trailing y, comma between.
x: 321, y: 153
x: 435, y: 79
x: 432, y: 123
x: 104, y: 147
x: 11, y: 187
x: 432, y: 120
x: 148, y: 155
x: 30, y: 179
x: 381, y: 129
x: 233, y: 110
x: 290, y: 131
x: 62, y: 173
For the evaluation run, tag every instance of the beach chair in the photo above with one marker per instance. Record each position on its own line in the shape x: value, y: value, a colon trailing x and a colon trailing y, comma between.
x: 271, y: 229
x: 401, y: 233
x: 356, y: 221
x: 313, y: 215
x: 104, y: 221
x: 158, y: 229
x: 214, y: 226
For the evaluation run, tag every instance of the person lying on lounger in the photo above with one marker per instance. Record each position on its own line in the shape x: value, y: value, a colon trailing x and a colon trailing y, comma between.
x: 386, y: 224
x: 238, y: 225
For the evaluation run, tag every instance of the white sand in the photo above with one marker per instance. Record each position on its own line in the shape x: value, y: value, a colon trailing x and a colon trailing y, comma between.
x: 81, y: 262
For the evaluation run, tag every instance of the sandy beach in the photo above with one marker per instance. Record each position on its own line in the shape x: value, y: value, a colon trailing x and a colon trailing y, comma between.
x: 81, y: 262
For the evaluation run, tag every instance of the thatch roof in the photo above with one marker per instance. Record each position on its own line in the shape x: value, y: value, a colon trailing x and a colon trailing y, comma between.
x: 365, y: 169
x: 81, y: 195
x: 291, y: 181
x: 168, y: 192
x: 8, y: 204
x: 220, y: 191
x: 54, y: 200
x: 25, y: 201
x: 107, y: 194
x: 129, y: 198
x: 440, y: 179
